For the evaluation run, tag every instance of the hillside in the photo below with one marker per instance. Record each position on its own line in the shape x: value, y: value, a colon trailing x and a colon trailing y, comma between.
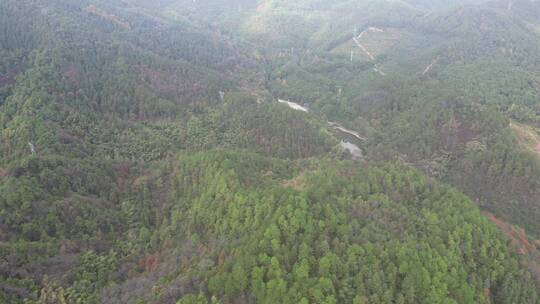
x: 145, y: 158
x: 439, y: 92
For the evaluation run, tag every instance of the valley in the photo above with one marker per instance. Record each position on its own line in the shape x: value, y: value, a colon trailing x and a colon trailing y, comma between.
x: 355, y: 151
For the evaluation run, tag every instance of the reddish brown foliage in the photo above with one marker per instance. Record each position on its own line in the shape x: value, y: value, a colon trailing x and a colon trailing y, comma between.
x: 517, y: 236
x: 221, y: 258
x: 107, y: 16
x: 529, y: 253
x: 8, y: 78
x: 467, y: 132
x: 150, y: 262
x: 174, y: 83
x: 487, y: 293
x: 122, y: 174
x: 347, y: 174
x: 72, y: 75
x: 459, y: 132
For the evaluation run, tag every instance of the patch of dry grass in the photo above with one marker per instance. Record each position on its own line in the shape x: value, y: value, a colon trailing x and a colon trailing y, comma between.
x: 528, y: 135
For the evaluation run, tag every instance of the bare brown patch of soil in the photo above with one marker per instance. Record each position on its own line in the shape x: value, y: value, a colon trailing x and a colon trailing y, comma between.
x: 517, y: 236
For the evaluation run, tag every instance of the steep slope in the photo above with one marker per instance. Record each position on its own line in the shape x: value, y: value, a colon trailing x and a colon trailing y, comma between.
x: 92, y: 107
x: 380, y: 234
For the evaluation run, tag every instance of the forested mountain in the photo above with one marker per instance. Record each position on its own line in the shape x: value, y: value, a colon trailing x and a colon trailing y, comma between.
x: 145, y: 158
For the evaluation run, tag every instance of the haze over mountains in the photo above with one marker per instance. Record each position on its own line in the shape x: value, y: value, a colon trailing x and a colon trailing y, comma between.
x: 269, y: 151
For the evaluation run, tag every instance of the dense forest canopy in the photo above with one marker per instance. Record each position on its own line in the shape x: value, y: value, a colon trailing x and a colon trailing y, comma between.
x: 145, y: 158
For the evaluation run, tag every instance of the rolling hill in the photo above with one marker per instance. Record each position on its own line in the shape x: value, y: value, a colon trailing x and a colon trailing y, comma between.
x: 144, y: 157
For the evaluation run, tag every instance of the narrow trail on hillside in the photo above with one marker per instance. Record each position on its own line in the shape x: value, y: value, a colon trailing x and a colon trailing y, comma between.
x: 339, y: 127
x: 370, y: 29
x: 428, y: 68
x: 376, y: 69
x: 365, y: 50
x: 293, y: 105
